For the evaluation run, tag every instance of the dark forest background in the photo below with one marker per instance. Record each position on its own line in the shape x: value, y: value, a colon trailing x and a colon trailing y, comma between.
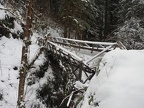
x: 96, y: 20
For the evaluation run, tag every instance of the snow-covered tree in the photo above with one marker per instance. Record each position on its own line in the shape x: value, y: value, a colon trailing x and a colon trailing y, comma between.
x: 129, y: 9
x: 131, y: 34
x: 130, y: 19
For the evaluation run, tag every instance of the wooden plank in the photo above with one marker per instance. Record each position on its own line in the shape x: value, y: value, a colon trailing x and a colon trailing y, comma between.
x: 80, y: 70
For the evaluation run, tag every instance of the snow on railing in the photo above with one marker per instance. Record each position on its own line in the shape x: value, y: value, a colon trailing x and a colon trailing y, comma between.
x: 82, y: 41
x: 66, y: 51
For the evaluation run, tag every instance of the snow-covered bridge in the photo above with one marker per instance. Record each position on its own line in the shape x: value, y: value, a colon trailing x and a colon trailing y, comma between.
x: 58, y: 47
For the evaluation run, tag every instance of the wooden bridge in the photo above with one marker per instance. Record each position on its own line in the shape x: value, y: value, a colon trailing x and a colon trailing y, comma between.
x: 58, y: 46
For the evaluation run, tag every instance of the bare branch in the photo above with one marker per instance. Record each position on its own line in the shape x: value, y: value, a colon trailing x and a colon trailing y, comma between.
x: 36, y: 57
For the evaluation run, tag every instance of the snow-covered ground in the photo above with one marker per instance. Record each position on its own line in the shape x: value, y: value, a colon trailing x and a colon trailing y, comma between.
x: 10, y: 50
x: 120, y: 83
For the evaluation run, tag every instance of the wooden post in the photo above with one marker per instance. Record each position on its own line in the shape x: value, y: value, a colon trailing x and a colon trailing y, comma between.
x: 80, y: 70
x: 92, y: 49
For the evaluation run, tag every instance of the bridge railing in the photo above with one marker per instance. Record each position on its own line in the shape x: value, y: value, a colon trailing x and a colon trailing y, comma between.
x: 88, y: 45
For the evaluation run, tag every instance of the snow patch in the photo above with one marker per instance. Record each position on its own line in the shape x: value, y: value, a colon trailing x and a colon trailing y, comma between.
x: 2, y: 12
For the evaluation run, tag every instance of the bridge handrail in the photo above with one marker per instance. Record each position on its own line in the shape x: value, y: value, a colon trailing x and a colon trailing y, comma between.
x: 88, y: 42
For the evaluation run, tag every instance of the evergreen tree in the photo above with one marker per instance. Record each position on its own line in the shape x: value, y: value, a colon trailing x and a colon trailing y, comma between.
x: 131, y: 22
x: 130, y: 9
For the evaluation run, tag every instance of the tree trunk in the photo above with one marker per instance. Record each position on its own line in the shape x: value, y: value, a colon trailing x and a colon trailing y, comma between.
x: 65, y: 30
x: 106, y: 19
x: 24, y: 58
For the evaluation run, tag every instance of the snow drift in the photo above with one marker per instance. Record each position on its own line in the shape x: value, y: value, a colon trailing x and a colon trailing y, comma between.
x: 120, y: 83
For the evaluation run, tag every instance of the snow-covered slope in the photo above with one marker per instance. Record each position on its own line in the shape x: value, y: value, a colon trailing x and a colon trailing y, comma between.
x: 120, y: 83
x: 10, y: 59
